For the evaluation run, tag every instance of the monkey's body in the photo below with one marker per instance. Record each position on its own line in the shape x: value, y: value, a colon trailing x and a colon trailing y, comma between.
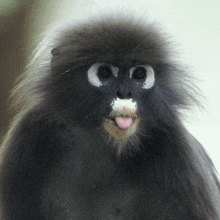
x: 104, y: 141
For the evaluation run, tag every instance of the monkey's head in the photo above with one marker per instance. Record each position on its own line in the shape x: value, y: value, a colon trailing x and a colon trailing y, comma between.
x: 115, y: 78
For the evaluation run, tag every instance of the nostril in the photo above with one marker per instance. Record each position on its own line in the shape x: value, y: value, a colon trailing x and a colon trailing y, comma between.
x: 123, y: 95
x: 119, y: 95
x: 129, y: 94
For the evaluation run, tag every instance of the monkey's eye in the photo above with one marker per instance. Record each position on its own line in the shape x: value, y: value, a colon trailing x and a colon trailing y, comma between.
x: 143, y: 74
x: 104, y: 72
x: 99, y: 73
x: 139, y: 73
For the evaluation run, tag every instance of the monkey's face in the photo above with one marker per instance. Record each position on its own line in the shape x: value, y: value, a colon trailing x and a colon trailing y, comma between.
x: 108, y: 96
x: 124, y: 87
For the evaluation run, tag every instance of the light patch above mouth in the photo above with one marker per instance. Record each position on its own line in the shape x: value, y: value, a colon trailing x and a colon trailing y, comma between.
x: 120, y: 105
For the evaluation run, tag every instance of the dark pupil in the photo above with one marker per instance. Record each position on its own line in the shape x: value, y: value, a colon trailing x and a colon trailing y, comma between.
x: 104, y: 72
x: 139, y: 73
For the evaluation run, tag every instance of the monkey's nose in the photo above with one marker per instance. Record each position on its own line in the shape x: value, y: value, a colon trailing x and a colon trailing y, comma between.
x: 123, y: 93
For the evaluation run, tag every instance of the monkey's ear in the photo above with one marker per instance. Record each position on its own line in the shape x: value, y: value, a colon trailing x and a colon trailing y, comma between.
x: 55, y: 56
x: 56, y: 51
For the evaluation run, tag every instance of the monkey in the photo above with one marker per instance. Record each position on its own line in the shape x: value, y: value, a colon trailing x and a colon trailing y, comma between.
x: 98, y: 132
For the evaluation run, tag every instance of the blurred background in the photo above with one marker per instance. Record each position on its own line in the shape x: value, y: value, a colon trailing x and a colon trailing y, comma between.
x: 194, y: 25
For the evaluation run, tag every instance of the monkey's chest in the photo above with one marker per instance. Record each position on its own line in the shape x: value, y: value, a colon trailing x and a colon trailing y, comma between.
x: 96, y: 188
x: 124, y: 201
x: 111, y: 197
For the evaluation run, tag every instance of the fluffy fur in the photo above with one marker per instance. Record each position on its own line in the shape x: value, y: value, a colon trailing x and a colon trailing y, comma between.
x: 59, y: 162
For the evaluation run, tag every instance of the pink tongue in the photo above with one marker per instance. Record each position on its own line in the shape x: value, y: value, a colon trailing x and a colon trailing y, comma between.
x: 123, y: 123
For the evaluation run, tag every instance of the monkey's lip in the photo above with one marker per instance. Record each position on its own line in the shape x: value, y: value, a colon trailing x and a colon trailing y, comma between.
x: 123, y: 122
x: 121, y: 130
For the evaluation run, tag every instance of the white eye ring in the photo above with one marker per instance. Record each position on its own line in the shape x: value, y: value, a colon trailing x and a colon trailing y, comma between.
x: 93, y: 70
x: 150, y: 79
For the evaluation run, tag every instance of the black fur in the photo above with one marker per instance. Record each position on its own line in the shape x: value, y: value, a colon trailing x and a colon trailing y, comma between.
x: 58, y: 162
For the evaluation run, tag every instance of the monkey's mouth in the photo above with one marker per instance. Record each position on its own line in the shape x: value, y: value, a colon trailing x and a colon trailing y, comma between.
x: 123, y: 122
x: 121, y: 126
